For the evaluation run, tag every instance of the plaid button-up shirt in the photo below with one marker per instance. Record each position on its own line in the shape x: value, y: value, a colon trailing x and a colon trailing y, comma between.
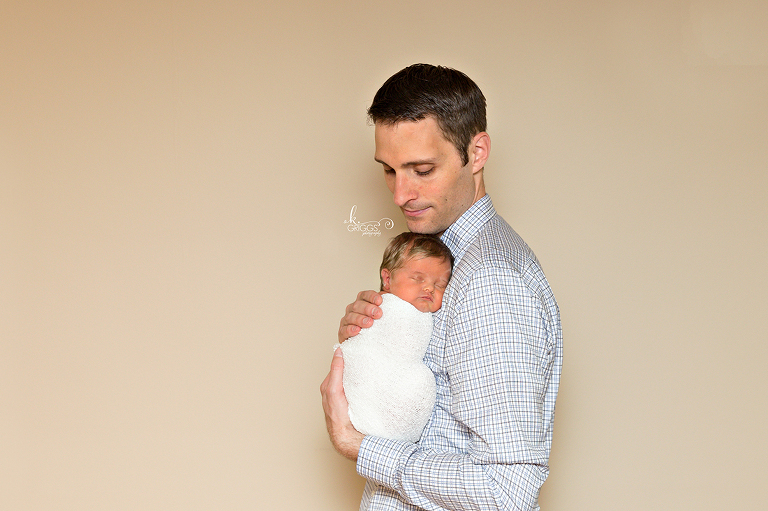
x: 496, y: 352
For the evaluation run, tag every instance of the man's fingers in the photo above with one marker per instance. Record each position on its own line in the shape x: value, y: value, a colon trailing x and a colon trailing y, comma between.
x: 369, y: 302
x: 360, y: 314
x: 351, y: 324
x: 373, y: 297
x: 345, y: 332
x: 363, y: 308
x: 366, y: 304
x: 356, y: 319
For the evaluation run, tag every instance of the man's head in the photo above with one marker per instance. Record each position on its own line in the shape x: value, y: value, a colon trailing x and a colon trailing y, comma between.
x: 431, y: 140
x: 448, y: 96
x: 417, y: 268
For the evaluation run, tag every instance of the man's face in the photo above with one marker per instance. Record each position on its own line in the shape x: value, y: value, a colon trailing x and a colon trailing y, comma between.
x: 420, y: 282
x: 425, y: 174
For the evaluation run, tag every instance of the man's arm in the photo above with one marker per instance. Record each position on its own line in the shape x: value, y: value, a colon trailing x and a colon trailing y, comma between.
x: 502, y: 359
x: 441, y: 480
x: 344, y: 437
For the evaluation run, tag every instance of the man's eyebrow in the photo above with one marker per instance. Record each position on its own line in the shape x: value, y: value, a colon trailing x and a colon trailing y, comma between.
x: 415, y: 163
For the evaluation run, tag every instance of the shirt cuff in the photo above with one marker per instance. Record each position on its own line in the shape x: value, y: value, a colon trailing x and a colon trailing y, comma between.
x: 382, y: 460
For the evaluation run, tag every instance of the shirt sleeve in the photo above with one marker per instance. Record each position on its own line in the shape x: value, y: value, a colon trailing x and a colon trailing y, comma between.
x: 499, y: 358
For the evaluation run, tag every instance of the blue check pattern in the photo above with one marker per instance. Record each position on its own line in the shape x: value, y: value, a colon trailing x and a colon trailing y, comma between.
x: 496, y: 352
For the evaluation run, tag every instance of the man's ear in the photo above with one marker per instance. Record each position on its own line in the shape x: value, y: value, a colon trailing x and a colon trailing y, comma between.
x: 480, y: 150
x: 385, y: 277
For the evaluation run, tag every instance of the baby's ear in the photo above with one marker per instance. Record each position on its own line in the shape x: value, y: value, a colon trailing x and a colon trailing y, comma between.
x: 385, y: 276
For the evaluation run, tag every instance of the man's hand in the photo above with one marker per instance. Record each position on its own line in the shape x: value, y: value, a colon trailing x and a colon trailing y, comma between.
x: 360, y: 314
x: 344, y: 437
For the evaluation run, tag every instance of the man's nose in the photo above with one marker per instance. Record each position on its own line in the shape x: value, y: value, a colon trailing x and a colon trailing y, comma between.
x: 404, y: 190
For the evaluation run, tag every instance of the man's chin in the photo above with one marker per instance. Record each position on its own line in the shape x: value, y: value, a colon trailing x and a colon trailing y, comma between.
x: 421, y: 226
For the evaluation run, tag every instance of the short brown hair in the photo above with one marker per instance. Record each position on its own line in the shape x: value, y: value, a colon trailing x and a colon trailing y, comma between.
x: 423, y: 90
x: 412, y: 244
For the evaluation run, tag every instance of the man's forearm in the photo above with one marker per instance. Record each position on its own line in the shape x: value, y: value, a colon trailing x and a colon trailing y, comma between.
x: 347, y: 443
x: 449, y: 480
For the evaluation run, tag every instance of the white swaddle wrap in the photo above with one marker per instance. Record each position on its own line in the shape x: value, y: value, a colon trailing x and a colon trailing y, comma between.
x: 390, y: 391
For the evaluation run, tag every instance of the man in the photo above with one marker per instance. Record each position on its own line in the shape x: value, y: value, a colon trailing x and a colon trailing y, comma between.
x: 496, y: 348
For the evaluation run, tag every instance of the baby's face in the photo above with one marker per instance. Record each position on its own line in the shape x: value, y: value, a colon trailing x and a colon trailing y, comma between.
x: 420, y: 282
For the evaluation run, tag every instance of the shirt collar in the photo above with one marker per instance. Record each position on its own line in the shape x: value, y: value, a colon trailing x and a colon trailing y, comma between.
x: 459, y: 235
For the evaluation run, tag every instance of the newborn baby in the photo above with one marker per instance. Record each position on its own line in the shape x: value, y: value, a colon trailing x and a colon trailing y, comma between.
x: 390, y: 391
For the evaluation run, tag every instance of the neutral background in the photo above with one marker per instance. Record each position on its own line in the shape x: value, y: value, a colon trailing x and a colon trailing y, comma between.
x: 174, y: 181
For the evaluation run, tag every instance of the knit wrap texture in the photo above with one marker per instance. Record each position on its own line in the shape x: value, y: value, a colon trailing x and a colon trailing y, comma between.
x: 391, y: 393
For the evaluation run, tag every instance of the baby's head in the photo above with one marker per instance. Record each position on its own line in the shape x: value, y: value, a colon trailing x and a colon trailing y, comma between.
x: 416, y: 268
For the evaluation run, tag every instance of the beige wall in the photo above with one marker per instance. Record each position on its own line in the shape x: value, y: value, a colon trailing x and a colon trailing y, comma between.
x: 174, y: 181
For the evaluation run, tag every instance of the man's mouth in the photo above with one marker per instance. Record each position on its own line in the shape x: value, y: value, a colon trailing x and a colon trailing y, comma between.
x: 414, y: 212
